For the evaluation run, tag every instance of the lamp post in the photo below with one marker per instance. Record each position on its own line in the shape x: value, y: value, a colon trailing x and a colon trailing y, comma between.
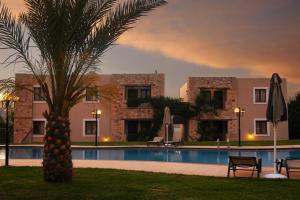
x: 7, y: 99
x: 96, y: 113
x: 239, y: 112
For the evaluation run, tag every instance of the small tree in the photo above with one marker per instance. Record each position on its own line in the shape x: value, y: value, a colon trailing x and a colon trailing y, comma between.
x: 158, y: 104
x: 2, y: 130
x: 1, y: 121
x: 205, y: 104
x: 294, y: 117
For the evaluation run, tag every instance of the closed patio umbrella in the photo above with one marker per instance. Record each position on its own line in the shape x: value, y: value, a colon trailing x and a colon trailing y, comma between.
x: 167, y: 122
x: 276, y: 112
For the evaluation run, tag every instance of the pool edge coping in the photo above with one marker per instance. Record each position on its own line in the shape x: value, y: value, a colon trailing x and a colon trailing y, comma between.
x: 169, y: 147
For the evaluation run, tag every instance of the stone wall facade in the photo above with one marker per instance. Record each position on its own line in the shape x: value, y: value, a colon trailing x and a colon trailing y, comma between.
x: 120, y: 110
x: 194, y: 86
x: 240, y: 92
x: 112, y: 121
x: 23, y: 109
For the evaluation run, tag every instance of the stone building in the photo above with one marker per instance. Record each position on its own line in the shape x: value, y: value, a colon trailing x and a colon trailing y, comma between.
x: 226, y: 94
x: 117, y: 121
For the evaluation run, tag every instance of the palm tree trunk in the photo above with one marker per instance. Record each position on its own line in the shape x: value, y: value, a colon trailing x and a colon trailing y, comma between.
x: 57, y: 163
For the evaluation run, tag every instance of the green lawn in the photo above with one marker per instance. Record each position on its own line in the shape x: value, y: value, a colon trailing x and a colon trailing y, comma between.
x: 26, y: 183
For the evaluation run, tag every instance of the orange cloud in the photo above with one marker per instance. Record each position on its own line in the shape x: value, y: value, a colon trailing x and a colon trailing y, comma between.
x: 259, y: 35
x: 16, y: 6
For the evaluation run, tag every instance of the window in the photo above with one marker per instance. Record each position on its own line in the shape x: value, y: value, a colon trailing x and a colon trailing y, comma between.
x: 145, y: 93
x: 260, y: 95
x: 138, y: 92
x: 38, y: 127
x: 219, y: 99
x: 90, y: 127
x: 132, y: 93
x: 211, y: 130
x: 137, y: 130
x: 261, y: 127
x: 91, y: 95
x: 38, y: 94
x: 213, y: 97
x: 206, y: 95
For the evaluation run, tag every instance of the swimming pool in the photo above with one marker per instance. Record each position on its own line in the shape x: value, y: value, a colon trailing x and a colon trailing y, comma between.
x: 209, y: 156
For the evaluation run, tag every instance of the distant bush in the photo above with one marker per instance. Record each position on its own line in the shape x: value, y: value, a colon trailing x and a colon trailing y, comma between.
x: 294, y: 117
x: 177, y: 107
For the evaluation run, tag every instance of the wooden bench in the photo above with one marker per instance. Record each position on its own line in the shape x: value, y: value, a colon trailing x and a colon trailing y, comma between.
x: 291, y: 165
x: 244, y: 163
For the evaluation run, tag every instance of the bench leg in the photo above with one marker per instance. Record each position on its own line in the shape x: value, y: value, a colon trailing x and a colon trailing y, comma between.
x: 287, y: 172
x: 228, y: 171
x: 279, y: 170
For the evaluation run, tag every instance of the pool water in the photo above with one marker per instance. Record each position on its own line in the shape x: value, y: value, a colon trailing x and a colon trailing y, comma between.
x: 209, y: 156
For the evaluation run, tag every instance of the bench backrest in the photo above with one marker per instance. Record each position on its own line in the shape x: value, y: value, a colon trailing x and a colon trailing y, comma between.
x: 246, y: 161
x: 293, y: 163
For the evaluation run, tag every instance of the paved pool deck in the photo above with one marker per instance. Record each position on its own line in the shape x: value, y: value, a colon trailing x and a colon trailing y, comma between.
x: 146, y: 166
x: 152, y: 166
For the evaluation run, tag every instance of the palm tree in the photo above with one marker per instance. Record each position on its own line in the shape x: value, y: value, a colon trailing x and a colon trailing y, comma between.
x: 60, y: 42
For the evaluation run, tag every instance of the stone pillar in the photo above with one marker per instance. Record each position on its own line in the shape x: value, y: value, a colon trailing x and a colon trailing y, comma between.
x: 193, y: 126
x: 23, y: 111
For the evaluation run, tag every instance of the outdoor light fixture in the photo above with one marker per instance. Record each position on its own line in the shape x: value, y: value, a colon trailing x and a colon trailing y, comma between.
x: 239, y: 113
x: 250, y: 136
x: 96, y: 113
x: 7, y: 100
x: 106, y: 139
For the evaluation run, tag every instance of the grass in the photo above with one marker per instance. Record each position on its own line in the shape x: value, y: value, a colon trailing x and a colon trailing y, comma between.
x: 26, y: 183
x: 197, y: 143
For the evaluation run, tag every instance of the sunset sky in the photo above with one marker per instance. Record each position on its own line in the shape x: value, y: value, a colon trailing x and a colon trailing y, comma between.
x: 208, y: 38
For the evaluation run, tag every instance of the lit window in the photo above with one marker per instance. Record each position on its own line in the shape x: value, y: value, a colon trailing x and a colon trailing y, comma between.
x: 38, y: 127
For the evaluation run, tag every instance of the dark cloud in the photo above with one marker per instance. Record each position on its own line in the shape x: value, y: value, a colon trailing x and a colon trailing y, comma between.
x: 257, y: 35
x: 220, y: 37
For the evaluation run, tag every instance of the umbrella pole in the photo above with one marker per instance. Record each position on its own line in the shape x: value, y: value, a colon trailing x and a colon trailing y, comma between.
x: 275, y: 174
x: 167, y: 133
x: 275, y: 147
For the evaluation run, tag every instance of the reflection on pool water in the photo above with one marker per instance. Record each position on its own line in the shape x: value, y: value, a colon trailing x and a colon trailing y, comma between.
x: 210, y: 156
x: 2, y: 154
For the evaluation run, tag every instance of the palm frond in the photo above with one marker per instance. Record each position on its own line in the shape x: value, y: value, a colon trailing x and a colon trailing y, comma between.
x: 70, y: 37
x: 7, y: 85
